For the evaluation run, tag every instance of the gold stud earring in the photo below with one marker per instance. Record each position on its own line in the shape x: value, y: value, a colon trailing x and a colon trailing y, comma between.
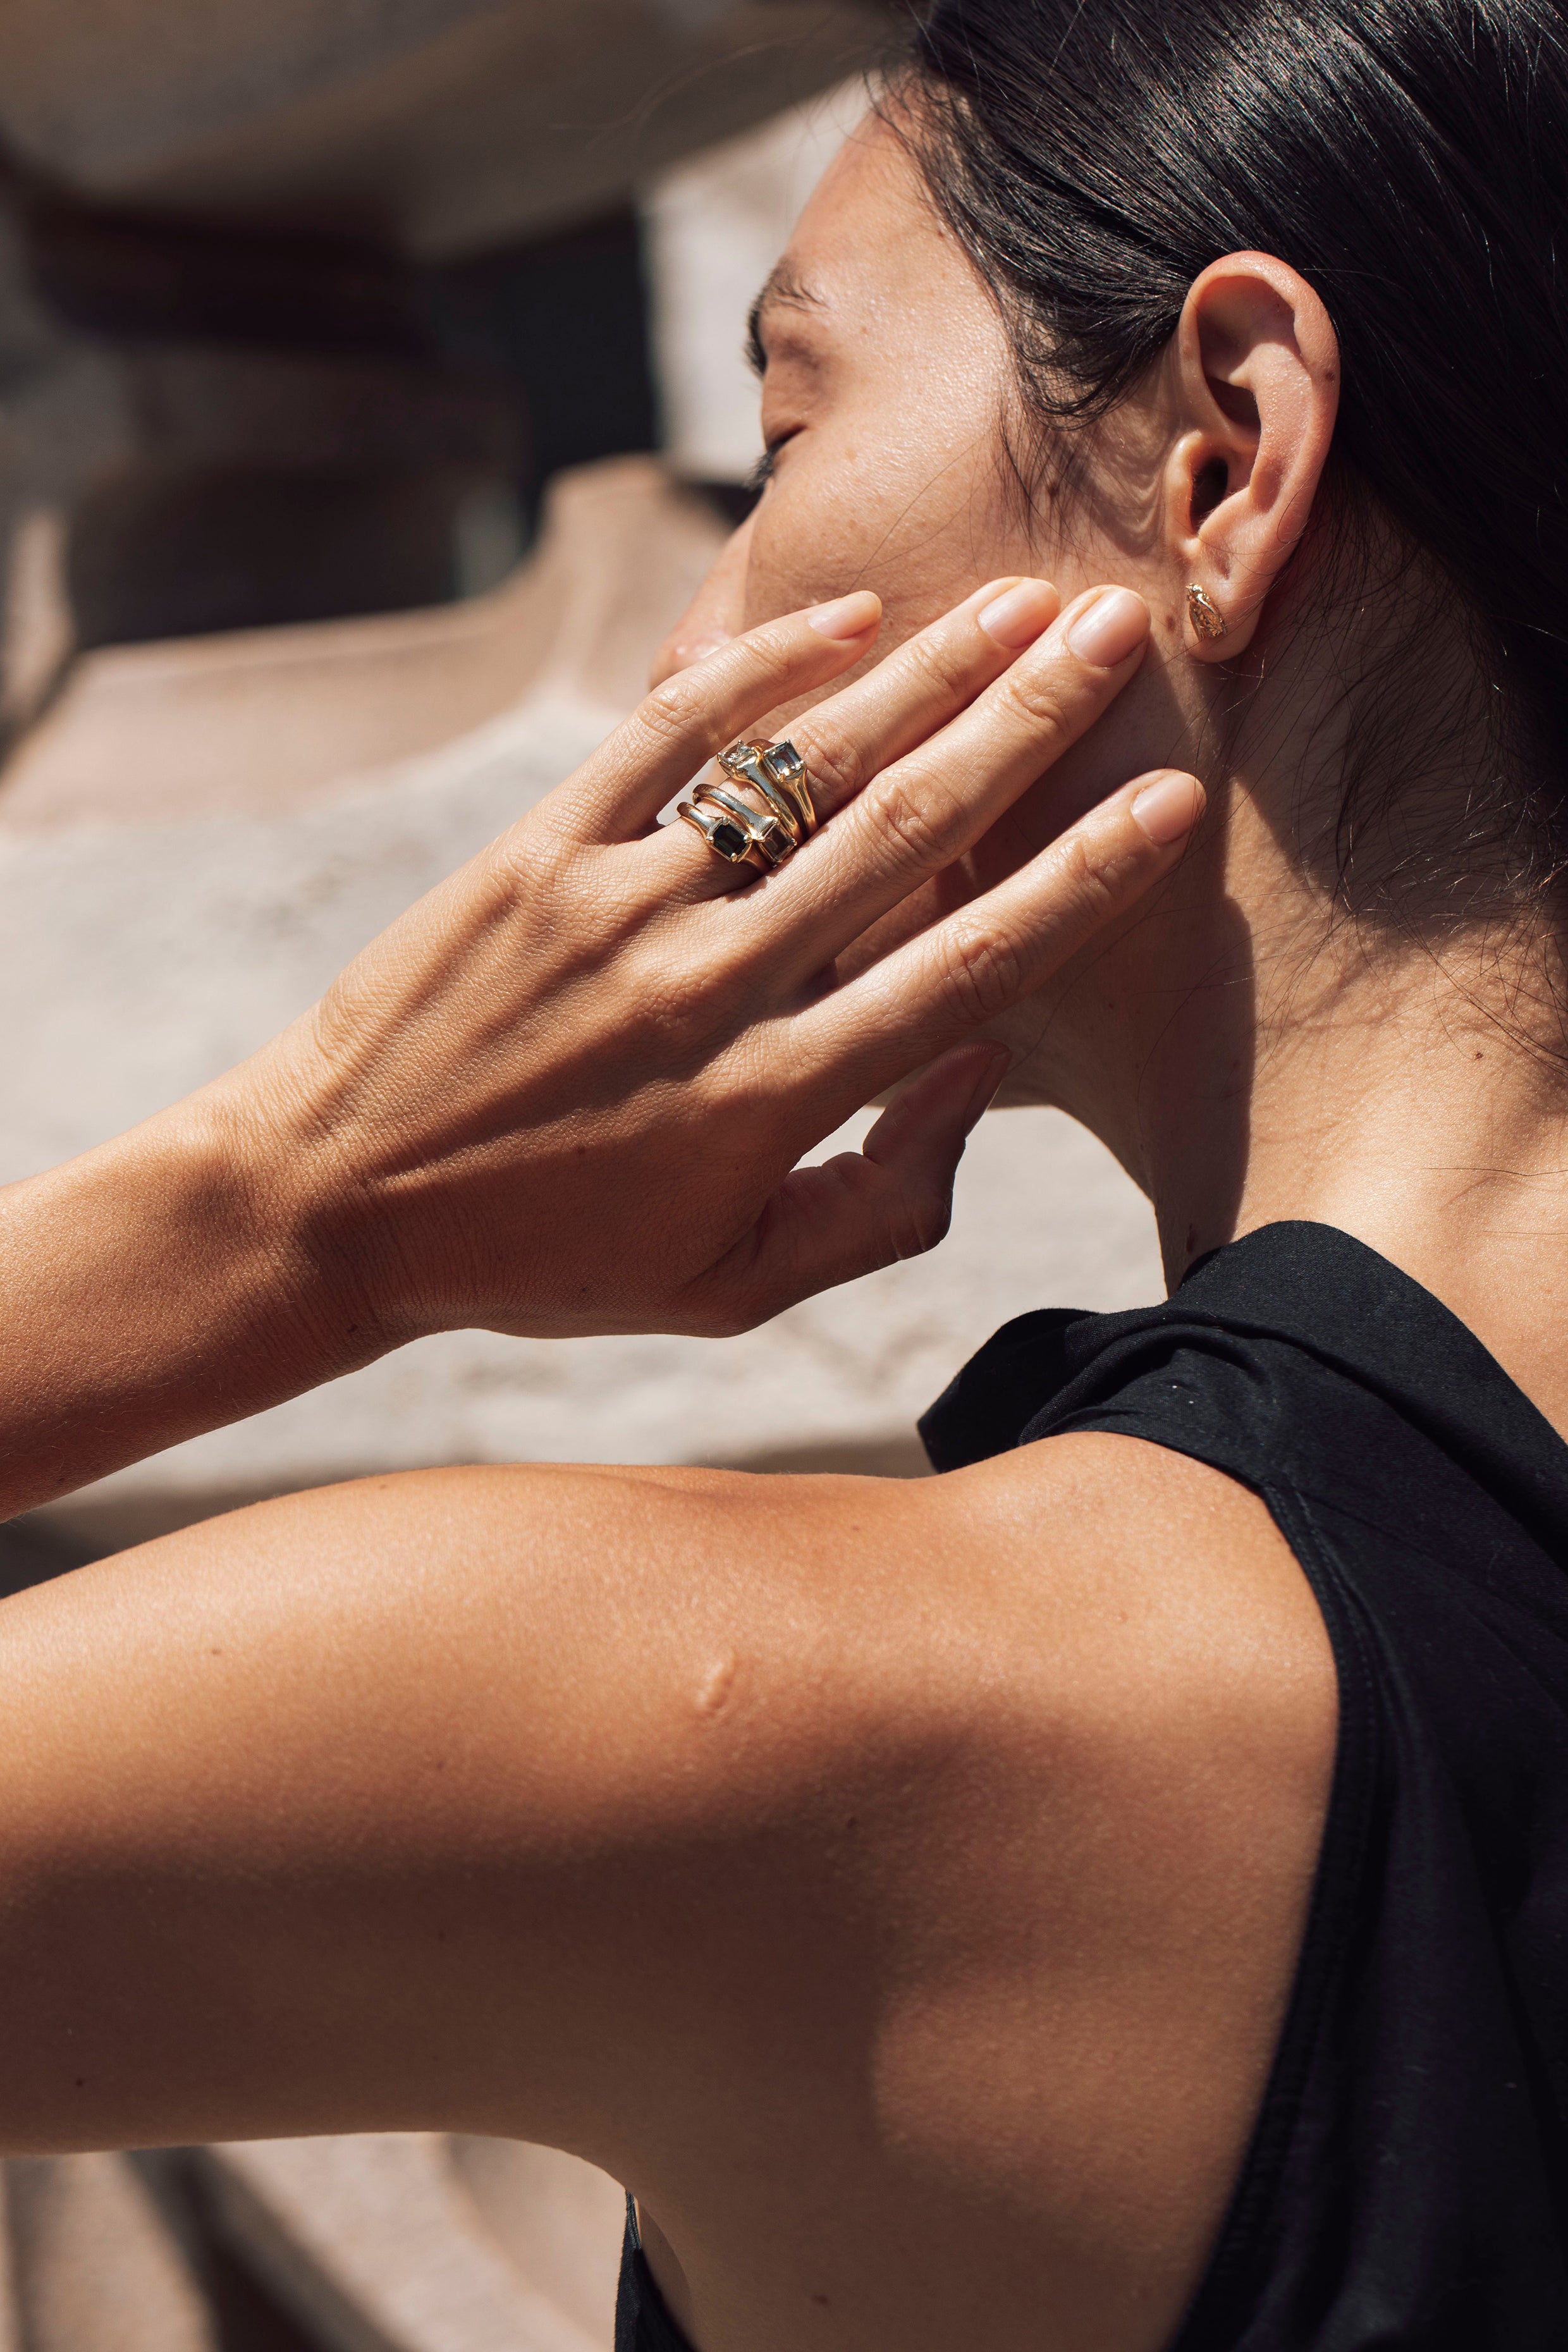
x: 1208, y: 621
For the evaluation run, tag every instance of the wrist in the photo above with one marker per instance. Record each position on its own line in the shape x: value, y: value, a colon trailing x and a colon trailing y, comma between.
x: 158, y: 1287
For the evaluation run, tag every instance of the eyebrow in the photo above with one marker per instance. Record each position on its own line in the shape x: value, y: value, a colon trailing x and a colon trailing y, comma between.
x: 781, y: 290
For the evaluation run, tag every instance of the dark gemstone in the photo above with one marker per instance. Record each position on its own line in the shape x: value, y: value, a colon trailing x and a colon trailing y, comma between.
x: 729, y: 841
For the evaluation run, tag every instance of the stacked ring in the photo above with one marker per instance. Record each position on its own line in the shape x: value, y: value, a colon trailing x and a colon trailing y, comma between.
x: 738, y: 830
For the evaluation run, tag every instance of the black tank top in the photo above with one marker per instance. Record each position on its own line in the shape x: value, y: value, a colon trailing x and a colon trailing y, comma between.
x: 1406, y: 2185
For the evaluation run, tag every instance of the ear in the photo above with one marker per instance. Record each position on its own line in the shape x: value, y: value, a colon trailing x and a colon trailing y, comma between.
x: 1258, y: 367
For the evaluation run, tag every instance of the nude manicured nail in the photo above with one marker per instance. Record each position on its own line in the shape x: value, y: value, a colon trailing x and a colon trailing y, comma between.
x: 1114, y: 625
x: 1169, y: 807
x: 847, y: 616
x: 1018, y: 616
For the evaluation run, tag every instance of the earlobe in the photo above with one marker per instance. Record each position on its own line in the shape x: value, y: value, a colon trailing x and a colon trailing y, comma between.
x: 1257, y: 366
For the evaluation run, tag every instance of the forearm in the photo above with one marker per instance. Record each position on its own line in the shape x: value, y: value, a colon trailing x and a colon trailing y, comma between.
x: 154, y: 1288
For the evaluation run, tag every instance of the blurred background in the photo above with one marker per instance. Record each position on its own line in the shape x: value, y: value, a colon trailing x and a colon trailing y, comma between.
x: 371, y: 400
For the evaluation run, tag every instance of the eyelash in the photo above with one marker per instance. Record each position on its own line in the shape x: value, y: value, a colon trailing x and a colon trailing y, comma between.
x: 761, y: 473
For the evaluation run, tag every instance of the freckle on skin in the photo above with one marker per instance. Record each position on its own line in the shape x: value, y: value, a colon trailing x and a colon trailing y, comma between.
x: 716, y: 1685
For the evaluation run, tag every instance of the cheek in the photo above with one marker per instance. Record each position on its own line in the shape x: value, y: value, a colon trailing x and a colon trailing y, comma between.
x: 922, y: 526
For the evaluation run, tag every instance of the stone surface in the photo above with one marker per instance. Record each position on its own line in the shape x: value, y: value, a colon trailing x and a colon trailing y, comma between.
x: 715, y: 224
x: 266, y: 723
x: 94, y: 2265
x: 556, y: 2220
x: 377, y: 2244
x: 443, y: 124
x: 159, y: 477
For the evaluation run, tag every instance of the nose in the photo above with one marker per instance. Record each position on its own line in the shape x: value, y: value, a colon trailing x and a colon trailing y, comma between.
x: 715, y: 614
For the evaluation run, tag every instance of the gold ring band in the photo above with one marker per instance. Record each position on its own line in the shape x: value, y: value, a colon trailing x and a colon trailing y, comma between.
x: 743, y: 767
x: 724, y: 837
x: 768, y: 837
x: 781, y: 765
x: 733, y: 828
x: 788, y: 770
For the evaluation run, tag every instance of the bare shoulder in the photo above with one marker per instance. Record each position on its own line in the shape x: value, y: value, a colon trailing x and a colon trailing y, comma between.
x: 847, y: 1864
x: 1069, y: 1763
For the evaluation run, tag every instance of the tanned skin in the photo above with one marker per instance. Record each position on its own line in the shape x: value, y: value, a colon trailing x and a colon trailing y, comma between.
x: 899, y: 1886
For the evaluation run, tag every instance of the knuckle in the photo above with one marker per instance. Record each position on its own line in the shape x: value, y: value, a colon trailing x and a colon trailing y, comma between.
x: 1036, y: 697
x: 926, y: 1221
x: 689, y: 1014
x: 668, y: 716
x: 533, y: 858
x: 1088, y: 883
x: 983, y: 973
x: 676, y: 1002
x: 833, y: 760
x: 904, y: 814
x: 940, y: 662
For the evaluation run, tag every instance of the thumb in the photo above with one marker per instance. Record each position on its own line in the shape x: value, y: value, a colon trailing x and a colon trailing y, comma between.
x: 892, y: 1199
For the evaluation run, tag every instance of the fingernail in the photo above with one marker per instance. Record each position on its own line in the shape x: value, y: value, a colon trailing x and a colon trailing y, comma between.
x: 1114, y: 625
x: 1017, y: 617
x: 1169, y: 807
x: 847, y: 616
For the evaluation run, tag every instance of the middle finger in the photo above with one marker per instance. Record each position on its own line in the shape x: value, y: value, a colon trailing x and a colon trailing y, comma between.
x: 924, y: 810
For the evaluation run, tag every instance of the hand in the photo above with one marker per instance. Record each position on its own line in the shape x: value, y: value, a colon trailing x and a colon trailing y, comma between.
x: 567, y: 1092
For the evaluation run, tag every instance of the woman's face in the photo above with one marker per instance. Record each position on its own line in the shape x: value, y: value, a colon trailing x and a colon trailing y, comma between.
x: 888, y: 377
x: 886, y: 384
x: 886, y: 373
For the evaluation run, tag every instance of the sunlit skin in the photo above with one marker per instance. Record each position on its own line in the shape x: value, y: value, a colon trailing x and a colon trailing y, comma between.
x: 898, y: 1886
x: 1244, y: 1059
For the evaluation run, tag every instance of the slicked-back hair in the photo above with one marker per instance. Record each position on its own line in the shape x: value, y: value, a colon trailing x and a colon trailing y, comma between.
x: 1409, y: 158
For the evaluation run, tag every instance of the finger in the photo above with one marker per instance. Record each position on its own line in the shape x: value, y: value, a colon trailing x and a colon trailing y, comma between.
x: 967, y: 970
x: 845, y: 740
x: 928, y: 679
x: 892, y: 1199
x: 926, y: 809
x: 682, y: 723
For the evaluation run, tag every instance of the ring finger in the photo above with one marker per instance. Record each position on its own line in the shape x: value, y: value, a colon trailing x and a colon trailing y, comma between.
x: 853, y: 735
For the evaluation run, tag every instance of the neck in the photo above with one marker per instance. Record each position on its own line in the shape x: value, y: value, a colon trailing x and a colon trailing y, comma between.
x: 1270, y: 1062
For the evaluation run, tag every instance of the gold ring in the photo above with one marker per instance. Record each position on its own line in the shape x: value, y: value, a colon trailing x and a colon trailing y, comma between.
x: 749, y: 763
x: 771, y: 840
x: 774, y: 769
x: 740, y: 833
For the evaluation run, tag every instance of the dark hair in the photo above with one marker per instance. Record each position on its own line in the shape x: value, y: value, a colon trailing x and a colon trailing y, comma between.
x: 1410, y: 158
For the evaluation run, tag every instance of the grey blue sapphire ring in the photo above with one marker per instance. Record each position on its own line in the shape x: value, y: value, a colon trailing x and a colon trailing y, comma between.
x: 767, y: 827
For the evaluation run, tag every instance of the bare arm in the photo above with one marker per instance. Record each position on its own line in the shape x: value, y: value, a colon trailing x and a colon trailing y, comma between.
x: 937, y: 1852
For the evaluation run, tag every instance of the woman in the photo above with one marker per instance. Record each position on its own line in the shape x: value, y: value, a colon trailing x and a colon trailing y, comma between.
x: 1112, y: 1895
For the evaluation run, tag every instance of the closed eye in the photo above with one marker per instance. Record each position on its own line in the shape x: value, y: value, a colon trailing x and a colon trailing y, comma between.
x: 761, y: 473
